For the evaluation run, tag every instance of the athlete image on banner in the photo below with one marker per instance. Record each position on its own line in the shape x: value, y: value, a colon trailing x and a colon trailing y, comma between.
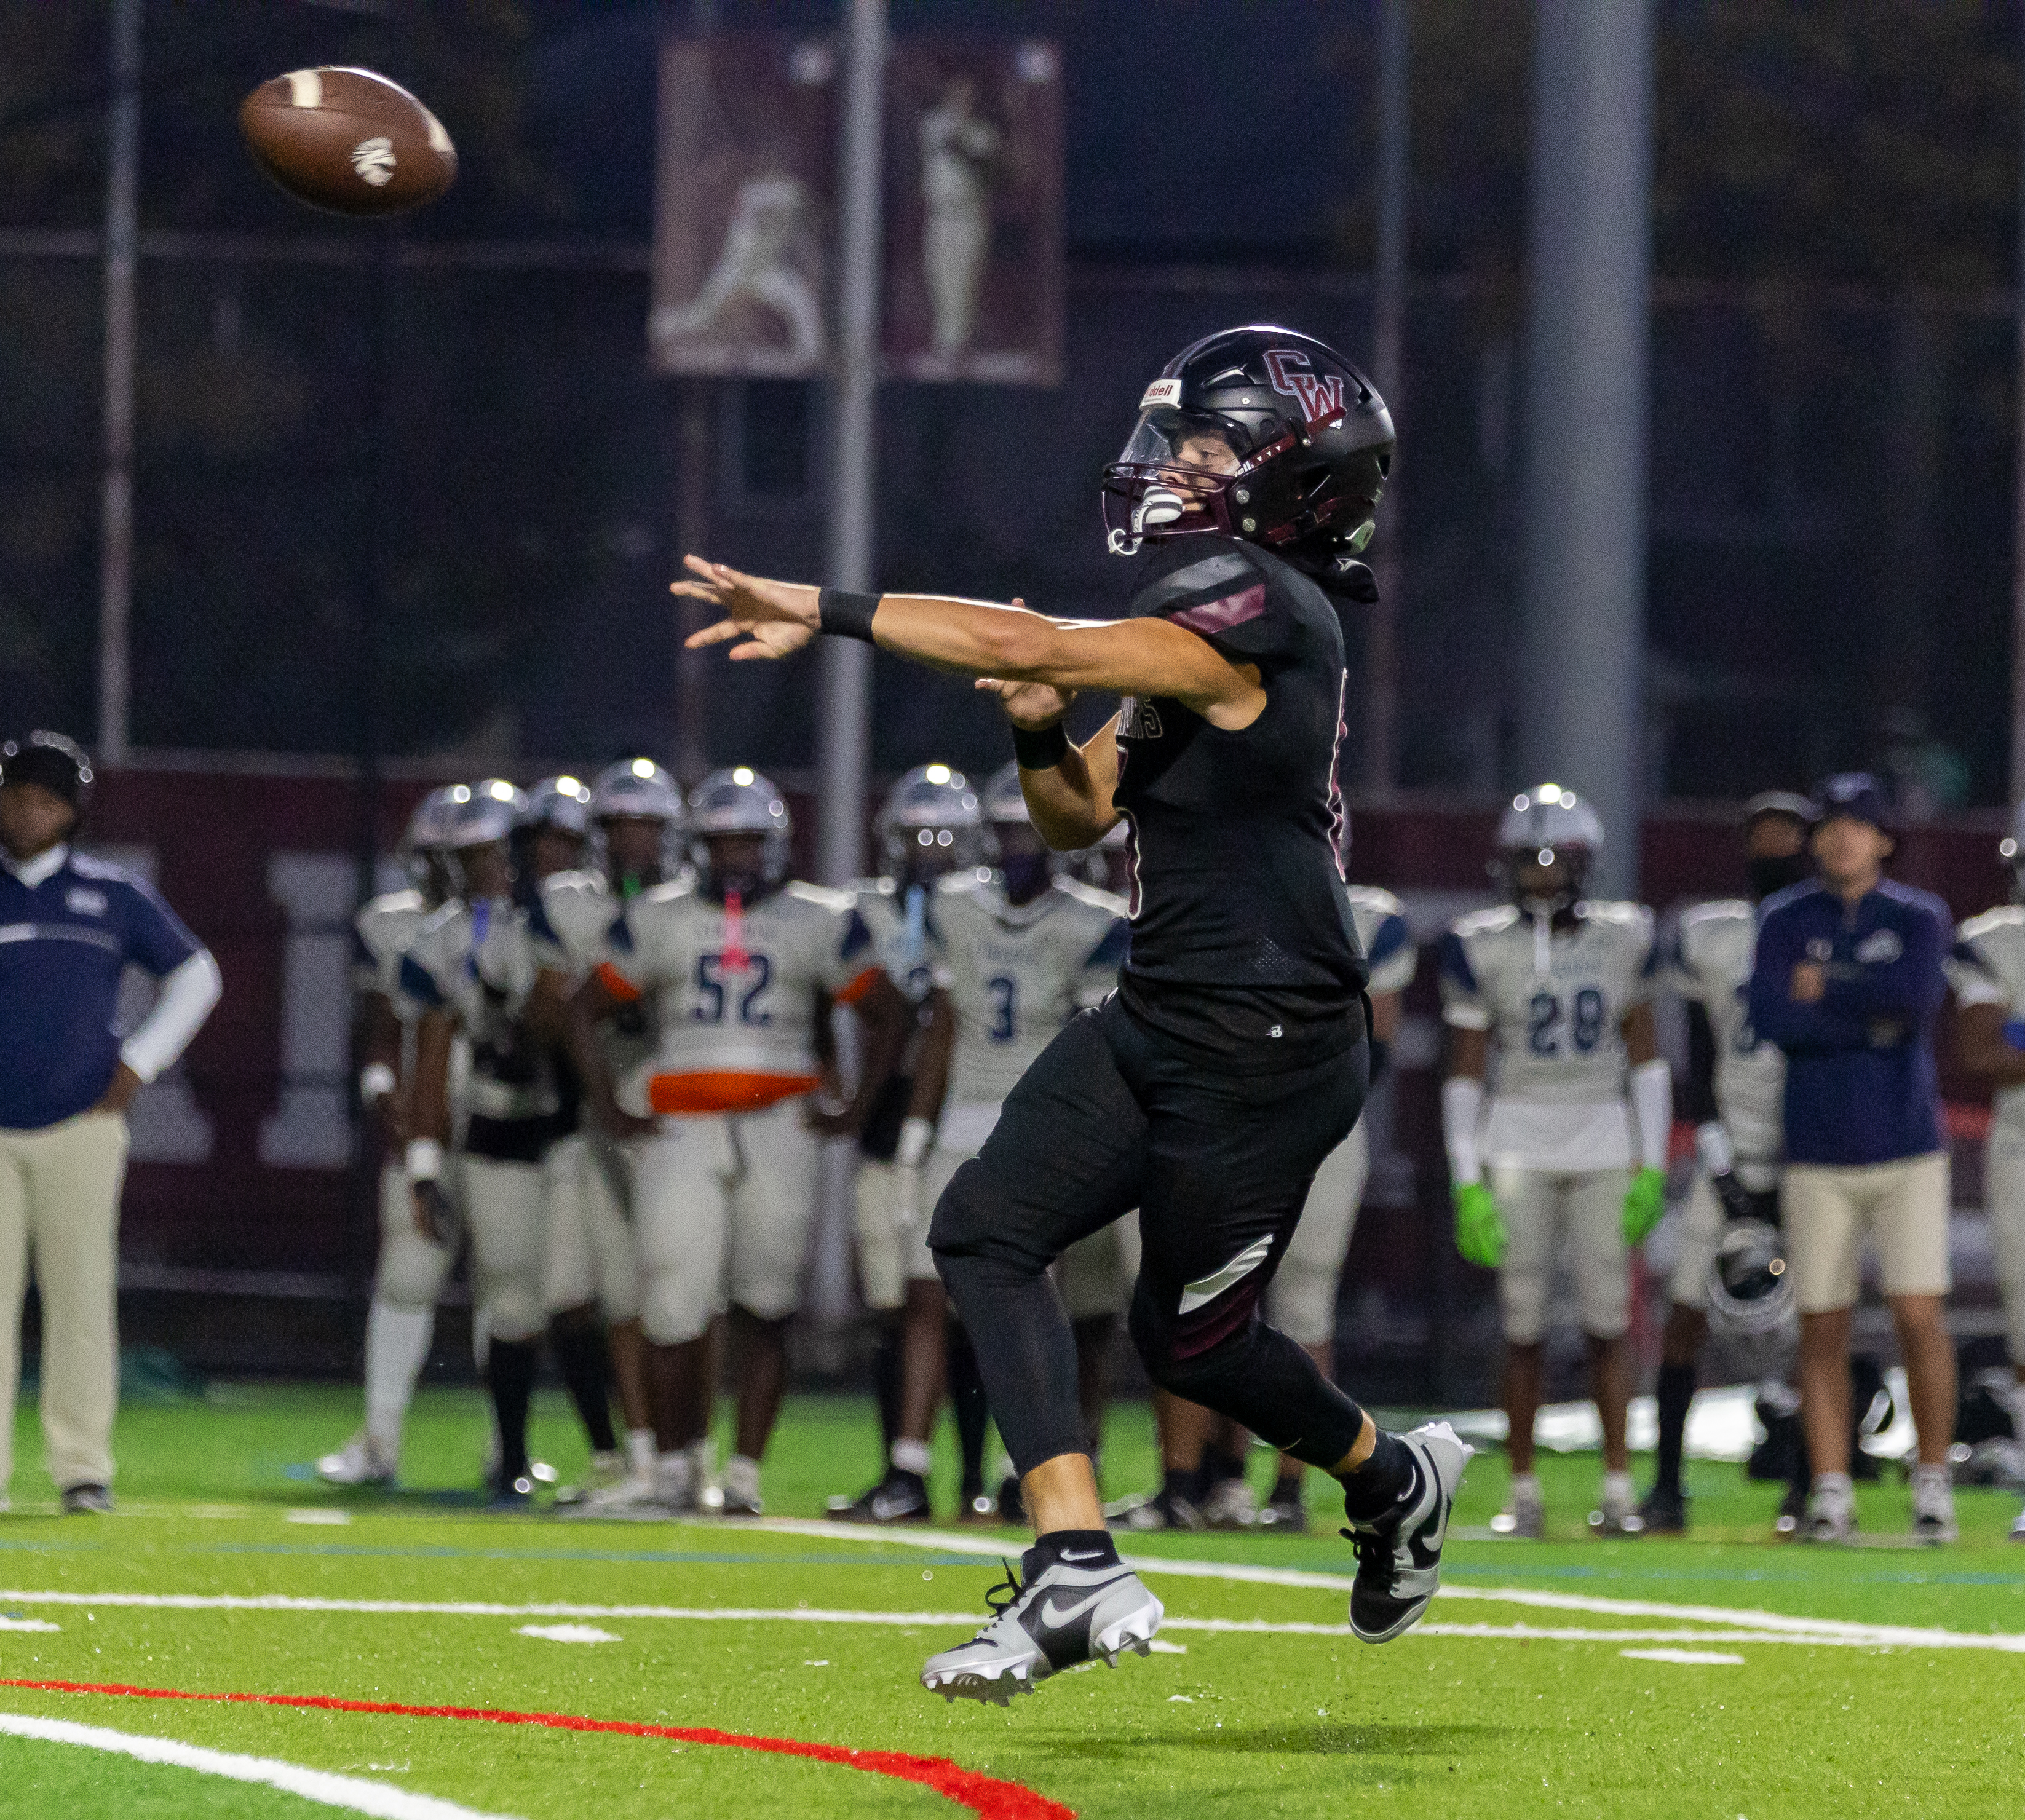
x: 1234, y: 1056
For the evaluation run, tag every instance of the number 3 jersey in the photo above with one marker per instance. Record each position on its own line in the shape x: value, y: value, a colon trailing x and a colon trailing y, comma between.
x: 1015, y: 974
x: 1552, y: 1000
x: 736, y: 995
x: 1711, y: 964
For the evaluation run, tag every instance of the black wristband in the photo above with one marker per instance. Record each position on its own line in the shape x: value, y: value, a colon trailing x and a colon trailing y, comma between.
x: 1040, y: 748
x: 844, y: 614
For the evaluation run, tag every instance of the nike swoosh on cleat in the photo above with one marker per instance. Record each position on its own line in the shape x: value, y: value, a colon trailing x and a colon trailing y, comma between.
x: 1088, y: 1554
x: 1053, y: 1614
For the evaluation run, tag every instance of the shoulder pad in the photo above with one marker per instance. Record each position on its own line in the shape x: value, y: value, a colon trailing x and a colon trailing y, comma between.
x: 823, y: 896
x: 1496, y: 918
x: 1717, y: 910
x: 1375, y: 898
x: 1618, y: 911
x: 405, y: 903
x: 2004, y: 916
x: 1092, y: 897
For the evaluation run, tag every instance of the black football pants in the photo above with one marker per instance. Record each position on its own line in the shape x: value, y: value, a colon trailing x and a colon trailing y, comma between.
x: 1113, y: 1116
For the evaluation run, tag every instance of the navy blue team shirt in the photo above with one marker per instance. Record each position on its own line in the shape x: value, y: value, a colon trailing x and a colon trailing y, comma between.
x: 63, y: 944
x: 1861, y: 1085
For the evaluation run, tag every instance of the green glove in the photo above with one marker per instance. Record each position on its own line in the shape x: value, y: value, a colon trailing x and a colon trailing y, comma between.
x: 1479, y: 1226
x: 1645, y: 1204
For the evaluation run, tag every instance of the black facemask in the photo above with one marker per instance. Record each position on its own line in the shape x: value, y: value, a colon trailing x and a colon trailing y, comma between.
x: 1027, y: 876
x: 1774, y: 872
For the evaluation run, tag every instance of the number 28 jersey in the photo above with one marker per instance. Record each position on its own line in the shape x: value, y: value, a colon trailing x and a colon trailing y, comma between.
x: 736, y: 1006
x: 1552, y: 1001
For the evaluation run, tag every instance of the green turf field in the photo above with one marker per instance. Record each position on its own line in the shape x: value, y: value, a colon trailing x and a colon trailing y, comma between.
x: 1856, y: 1683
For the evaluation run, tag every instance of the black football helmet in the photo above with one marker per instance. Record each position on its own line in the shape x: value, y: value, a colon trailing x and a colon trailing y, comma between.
x: 1259, y: 433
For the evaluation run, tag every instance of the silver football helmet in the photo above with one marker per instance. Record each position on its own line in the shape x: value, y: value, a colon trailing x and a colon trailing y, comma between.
x: 740, y: 801
x: 428, y: 832
x: 1750, y: 1286
x: 559, y: 803
x: 1552, y: 826
x: 489, y: 811
x: 636, y: 787
x: 931, y: 824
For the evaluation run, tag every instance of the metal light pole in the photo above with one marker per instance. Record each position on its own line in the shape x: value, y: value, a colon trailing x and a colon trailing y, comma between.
x: 1381, y: 682
x: 116, y: 574
x: 846, y: 664
x: 1582, y: 666
x: 696, y: 455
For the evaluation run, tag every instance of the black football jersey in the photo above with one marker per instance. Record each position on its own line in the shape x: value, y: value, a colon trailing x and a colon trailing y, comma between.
x: 1242, y: 937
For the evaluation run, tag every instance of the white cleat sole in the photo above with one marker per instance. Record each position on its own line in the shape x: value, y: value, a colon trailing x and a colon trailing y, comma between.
x: 995, y: 1683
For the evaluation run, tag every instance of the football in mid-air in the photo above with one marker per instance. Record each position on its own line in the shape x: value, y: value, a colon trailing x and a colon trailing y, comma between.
x: 348, y: 140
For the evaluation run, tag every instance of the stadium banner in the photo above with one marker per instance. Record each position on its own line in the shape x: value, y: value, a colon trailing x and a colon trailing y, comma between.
x: 973, y: 211
x: 743, y: 190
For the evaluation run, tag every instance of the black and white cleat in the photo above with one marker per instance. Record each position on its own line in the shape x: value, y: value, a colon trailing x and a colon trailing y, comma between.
x: 1399, y: 1557
x: 1081, y: 1606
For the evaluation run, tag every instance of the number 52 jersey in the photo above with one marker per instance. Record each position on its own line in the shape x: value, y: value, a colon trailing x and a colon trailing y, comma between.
x: 1552, y: 1000
x: 736, y: 997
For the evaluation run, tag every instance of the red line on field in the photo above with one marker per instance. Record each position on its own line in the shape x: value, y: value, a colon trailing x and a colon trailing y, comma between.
x: 984, y: 1795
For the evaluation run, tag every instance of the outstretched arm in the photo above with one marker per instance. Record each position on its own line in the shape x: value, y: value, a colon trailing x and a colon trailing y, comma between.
x: 1143, y: 657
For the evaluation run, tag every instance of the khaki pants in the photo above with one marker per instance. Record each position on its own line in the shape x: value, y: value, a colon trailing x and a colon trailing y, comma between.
x: 1903, y: 1206
x: 60, y: 1194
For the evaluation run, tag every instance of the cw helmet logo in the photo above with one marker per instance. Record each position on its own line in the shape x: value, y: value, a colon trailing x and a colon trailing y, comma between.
x: 373, y: 160
x: 1320, y: 397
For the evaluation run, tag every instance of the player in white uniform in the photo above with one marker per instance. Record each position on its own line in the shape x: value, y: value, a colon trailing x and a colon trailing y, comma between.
x: 929, y: 827
x: 1019, y: 951
x: 1739, y: 1132
x: 412, y: 1268
x: 1987, y: 972
x: 637, y: 810
x: 472, y: 968
x: 743, y: 966
x: 1557, y: 988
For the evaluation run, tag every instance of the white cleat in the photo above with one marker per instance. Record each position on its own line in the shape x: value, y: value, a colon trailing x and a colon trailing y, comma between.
x: 1933, y: 1506
x: 1524, y: 1516
x: 359, y: 1461
x: 1080, y: 1608
x: 606, y: 1471
x: 1831, y: 1515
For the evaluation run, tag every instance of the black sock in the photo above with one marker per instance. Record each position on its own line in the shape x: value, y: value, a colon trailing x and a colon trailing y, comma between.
x: 887, y: 1369
x: 1676, y: 1391
x: 1189, y: 1483
x: 509, y: 1375
x: 1287, y: 1487
x: 1219, y: 1465
x: 578, y: 1340
x: 1049, y: 1549
x: 1383, y: 1479
x: 966, y: 1404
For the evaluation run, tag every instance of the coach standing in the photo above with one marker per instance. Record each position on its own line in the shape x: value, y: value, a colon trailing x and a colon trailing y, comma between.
x: 69, y: 925
x: 1847, y: 982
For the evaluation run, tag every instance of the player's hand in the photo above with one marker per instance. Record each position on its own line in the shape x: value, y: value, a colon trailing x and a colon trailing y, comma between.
x: 1809, y: 983
x: 773, y: 619
x: 1480, y: 1233
x: 1645, y: 1204
x: 119, y: 1092
x: 1736, y: 1201
x: 434, y: 1218
x: 1029, y: 704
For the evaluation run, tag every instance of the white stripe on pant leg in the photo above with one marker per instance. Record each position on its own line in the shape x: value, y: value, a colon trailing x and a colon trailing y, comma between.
x: 1205, y: 1290
x: 353, y: 1793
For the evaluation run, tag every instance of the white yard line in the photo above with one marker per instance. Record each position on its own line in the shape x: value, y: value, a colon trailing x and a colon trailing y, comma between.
x: 352, y: 1793
x: 1721, y: 1625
